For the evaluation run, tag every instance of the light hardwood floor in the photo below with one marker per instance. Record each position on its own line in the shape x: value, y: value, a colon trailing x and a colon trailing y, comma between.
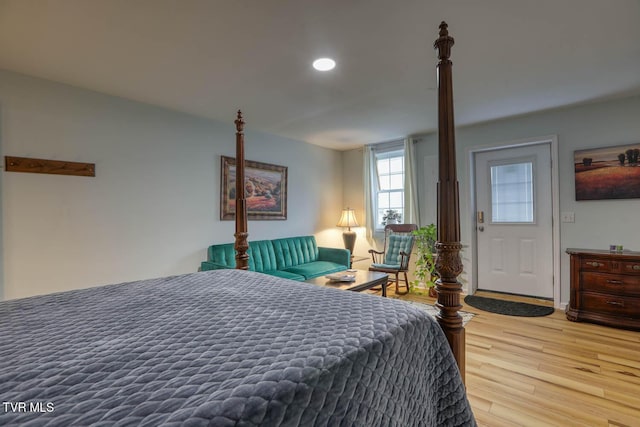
x: 548, y: 371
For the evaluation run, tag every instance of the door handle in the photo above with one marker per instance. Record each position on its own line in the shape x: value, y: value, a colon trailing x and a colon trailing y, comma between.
x: 481, y: 228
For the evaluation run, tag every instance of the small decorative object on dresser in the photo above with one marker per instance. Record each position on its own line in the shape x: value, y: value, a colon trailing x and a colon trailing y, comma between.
x: 605, y: 287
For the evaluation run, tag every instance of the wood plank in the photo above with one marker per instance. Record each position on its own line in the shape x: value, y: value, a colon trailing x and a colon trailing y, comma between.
x: 623, y: 361
x: 534, y: 407
x: 608, y: 410
x: 55, y: 167
x: 496, y: 375
x: 486, y: 419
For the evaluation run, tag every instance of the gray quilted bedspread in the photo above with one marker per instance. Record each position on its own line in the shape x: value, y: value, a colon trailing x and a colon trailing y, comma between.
x: 224, y: 348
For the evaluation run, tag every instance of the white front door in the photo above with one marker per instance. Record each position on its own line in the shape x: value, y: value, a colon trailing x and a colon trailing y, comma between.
x: 514, y: 223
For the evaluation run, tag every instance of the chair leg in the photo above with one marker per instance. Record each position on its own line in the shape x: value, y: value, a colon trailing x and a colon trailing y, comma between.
x: 398, y: 282
x: 406, y: 281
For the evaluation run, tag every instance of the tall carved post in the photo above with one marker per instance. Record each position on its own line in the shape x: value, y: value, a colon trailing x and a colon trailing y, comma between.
x: 448, y: 261
x: 241, y: 245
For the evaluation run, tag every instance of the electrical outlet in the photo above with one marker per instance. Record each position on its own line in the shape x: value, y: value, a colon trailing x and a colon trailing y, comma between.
x: 568, y: 217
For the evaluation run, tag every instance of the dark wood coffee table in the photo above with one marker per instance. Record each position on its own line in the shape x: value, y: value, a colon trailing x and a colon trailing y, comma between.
x: 364, y: 280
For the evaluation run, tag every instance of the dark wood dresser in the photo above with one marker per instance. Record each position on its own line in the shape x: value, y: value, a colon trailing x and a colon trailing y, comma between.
x: 605, y: 288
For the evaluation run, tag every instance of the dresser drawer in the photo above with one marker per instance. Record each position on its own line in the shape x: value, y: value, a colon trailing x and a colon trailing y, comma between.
x: 611, y: 304
x: 592, y: 264
x: 617, y: 284
x: 630, y: 268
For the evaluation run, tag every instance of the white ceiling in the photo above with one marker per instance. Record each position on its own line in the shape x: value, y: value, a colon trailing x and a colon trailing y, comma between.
x: 211, y: 57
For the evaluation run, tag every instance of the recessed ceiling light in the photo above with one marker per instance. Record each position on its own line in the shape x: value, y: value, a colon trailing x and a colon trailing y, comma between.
x: 324, y: 64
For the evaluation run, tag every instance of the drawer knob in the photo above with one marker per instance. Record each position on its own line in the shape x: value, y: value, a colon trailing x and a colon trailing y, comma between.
x: 618, y: 303
x: 635, y: 267
x: 615, y: 282
x: 593, y: 263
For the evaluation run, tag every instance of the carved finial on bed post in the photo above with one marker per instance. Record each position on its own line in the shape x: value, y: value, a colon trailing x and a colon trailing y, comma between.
x: 241, y: 245
x: 448, y: 261
x: 444, y: 42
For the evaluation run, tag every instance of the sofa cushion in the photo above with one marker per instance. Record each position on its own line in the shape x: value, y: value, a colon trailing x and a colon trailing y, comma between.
x: 223, y: 254
x: 315, y: 269
x: 261, y: 255
x: 293, y: 251
x: 286, y: 275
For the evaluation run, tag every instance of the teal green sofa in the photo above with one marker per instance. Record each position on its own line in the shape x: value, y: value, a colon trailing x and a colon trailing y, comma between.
x: 297, y: 258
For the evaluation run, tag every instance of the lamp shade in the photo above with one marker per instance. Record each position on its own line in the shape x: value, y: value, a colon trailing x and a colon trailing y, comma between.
x: 348, y: 219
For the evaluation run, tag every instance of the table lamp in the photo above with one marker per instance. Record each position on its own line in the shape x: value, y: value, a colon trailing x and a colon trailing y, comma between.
x: 348, y: 219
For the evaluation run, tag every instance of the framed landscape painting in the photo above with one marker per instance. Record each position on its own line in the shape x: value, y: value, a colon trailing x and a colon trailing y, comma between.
x: 608, y: 173
x: 265, y: 188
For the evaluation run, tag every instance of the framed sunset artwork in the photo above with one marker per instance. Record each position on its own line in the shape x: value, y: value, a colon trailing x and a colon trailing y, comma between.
x: 608, y: 173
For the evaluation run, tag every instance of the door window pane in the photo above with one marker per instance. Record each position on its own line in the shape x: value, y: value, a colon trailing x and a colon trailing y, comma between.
x: 512, y: 193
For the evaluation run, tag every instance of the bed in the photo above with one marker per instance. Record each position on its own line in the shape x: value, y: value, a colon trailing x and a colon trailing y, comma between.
x: 191, y: 350
x: 235, y: 348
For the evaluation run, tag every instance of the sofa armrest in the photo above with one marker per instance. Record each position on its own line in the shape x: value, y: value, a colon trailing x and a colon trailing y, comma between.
x: 337, y: 255
x: 210, y: 265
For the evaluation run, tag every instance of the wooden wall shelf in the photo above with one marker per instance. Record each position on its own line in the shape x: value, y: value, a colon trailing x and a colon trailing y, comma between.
x: 56, y: 167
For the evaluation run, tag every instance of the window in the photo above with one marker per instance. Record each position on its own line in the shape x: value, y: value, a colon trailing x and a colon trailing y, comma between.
x: 389, y: 185
x: 512, y: 193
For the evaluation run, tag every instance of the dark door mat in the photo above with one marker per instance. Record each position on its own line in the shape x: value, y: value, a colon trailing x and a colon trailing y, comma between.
x: 508, y: 308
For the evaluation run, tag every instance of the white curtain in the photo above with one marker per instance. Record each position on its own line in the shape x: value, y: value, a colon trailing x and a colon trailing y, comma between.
x: 411, y: 212
x: 411, y: 207
x: 369, y: 177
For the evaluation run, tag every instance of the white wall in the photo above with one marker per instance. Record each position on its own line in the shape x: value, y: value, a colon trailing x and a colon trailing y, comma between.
x: 153, y: 207
x: 597, y: 223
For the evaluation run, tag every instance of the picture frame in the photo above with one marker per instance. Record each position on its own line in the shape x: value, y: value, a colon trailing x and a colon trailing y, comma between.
x: 265, y: 190
x: 607, y: 173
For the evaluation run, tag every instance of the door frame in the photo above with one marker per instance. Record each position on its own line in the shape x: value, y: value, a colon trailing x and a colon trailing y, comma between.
x: 552, y: 141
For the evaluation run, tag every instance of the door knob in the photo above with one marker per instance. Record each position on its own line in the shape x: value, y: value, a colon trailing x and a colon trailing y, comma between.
x: 481, y: 228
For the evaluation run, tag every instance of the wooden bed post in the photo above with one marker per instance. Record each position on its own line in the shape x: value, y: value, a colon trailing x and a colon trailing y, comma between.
x: 241, y: 246
x: 448, y: 261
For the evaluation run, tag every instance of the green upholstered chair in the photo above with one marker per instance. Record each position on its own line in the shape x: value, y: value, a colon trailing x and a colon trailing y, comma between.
x: 394, y: 259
